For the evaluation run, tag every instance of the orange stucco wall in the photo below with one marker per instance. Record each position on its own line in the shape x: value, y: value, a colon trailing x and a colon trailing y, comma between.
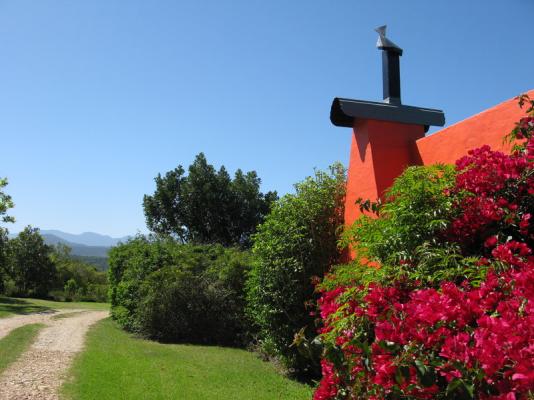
x: 488, y: 127
x: 381, y: 150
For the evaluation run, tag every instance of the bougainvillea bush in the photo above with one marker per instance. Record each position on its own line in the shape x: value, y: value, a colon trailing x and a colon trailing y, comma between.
x: 439, y: 302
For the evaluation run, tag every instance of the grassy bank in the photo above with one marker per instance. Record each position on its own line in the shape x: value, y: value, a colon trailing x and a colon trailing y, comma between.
x: 118, y: 366
x: 11, y: 306
x: 14, y: 344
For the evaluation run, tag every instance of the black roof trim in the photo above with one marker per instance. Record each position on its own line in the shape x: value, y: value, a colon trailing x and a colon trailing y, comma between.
x: 345, y: 111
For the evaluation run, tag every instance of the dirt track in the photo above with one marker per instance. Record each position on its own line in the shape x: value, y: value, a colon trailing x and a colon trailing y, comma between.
x: 40, y: 371
x: 10, y: 323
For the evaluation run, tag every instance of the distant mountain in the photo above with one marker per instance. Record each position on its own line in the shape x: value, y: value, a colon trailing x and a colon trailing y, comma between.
x: 86, y: 238
x: 89, y: 247
x: 77, y: 249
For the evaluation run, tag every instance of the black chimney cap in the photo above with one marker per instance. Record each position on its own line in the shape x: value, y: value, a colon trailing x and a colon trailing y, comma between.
x: 345, y: 111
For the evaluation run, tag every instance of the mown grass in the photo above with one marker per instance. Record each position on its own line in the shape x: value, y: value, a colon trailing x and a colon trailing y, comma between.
x: 10, y: 306
x: 14, y: 344
x: 117, y: 366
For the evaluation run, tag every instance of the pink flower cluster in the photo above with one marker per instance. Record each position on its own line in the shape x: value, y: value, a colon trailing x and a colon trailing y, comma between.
x: 328, y: 387
x: 462, y: 331
x: 496, y: 192
x: 469, y: 339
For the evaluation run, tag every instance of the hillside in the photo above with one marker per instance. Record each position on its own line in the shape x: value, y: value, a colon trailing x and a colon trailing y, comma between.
x: 77, y: 248
x: 94, y: 255
x: 87, y: 238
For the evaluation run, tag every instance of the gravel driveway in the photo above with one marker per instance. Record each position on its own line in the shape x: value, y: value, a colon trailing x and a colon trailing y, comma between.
x: 40, y: 371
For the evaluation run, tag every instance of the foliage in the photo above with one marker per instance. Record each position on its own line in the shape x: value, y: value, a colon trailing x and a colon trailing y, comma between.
x: 177, y: 292
x: 115, y: 365
x: 30, y: 267
x: 76, y: 280
x: 71, y: 287
x: 100, y: 263
x: 296, y: 243
x: 207, y: 206
x: 449, y: 314
x: 414, y: 212
x: 5, y: 204
x: 30, y: 264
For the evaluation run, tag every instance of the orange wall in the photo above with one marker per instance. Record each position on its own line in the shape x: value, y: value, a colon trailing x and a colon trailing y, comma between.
x: 380, y: 151
x: 488, y: 127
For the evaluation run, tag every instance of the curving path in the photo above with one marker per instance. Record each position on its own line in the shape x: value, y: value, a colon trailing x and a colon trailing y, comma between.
x: 7, y: 324
x: 40, y: 371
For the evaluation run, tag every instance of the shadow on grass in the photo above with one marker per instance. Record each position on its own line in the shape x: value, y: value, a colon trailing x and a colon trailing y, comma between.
x: 10, y: 305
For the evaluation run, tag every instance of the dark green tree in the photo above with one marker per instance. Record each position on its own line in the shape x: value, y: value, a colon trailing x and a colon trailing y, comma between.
x: 31, y: 266
x: 207, y: 206
x: 5, y: 204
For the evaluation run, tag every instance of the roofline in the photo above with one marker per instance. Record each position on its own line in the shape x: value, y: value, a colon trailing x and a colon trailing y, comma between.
x: 345, y: 111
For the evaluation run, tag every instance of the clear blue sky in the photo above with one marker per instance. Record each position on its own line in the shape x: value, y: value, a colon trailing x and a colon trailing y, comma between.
x: 97, y: 97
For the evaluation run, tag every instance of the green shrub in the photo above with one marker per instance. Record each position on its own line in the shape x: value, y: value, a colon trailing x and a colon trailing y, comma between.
x: 176, y: 292
x: 408, y: 238
x: 297, y: 242
x: 70, y: 288
x: 178, y: 306
x: 129, y: 265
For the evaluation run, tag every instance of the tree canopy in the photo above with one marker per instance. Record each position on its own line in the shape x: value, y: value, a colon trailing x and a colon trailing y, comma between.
x: 207, y: 206
x: 31, y: 266
x: 5, y: 204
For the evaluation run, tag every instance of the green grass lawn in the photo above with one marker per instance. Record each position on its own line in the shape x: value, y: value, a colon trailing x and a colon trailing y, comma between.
x: 117, y: 366
x: 14, y: 344
x: 10, y: 306
x: 87, y: 305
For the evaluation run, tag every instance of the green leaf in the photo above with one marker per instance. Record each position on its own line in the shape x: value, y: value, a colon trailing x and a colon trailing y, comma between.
x: 469, y: 388
x: 426, y: 375
x: 453, y: 385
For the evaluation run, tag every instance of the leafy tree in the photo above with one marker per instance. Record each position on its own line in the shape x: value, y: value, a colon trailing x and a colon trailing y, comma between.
x: 207, y: 206
x: 296, y: 243
x: 5, y: 204
x: 31, y: 265
x: 71, y: 287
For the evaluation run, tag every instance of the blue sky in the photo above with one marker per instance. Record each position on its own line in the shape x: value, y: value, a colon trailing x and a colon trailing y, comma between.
x: 97, y: 97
